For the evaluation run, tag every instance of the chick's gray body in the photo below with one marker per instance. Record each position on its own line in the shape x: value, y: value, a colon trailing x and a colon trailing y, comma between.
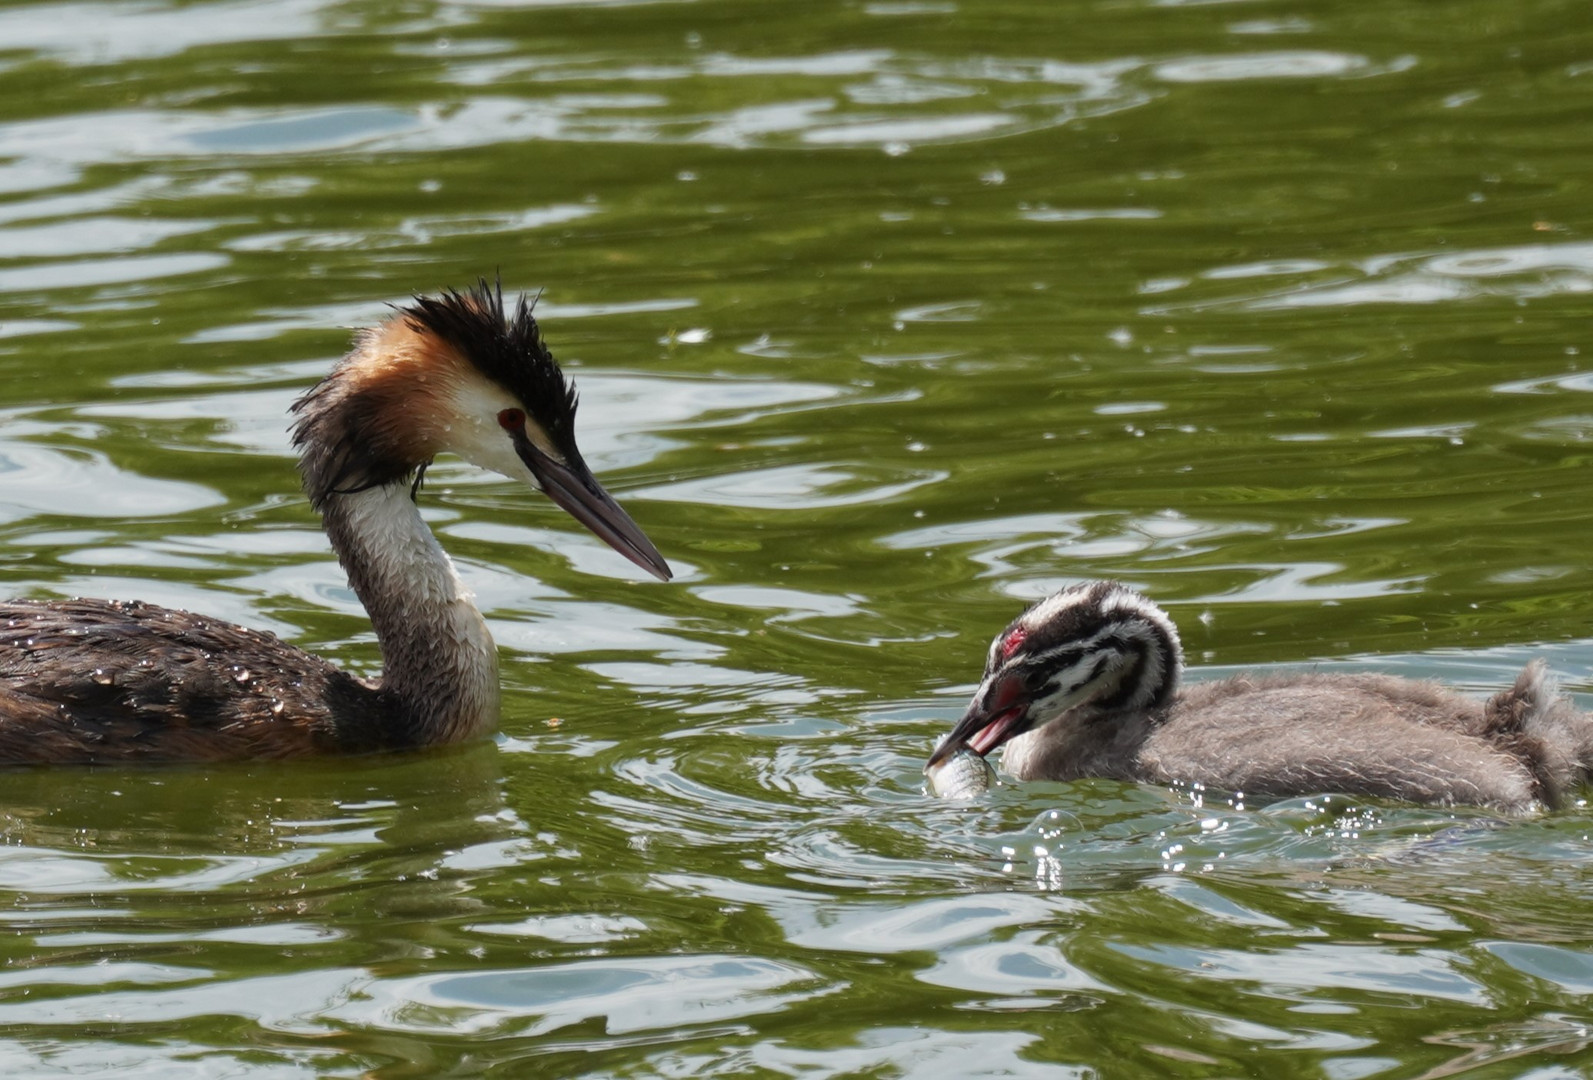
x: 1372, y: 735
x: 1086, y: 683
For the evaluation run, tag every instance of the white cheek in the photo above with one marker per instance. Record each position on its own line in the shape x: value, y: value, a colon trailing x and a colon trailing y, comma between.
x: 1061, y: 695
x: 1083, y: 680
x: 487, y: 446
x: 473, y: 432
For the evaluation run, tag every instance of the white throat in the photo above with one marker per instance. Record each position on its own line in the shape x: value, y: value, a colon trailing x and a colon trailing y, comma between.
x: 437, y: 652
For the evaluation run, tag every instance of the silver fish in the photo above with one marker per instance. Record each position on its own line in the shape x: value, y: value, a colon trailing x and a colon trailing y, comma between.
x: 962, y: 775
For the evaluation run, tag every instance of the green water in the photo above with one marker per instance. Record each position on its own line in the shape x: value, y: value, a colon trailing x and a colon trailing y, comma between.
x: 888, y: 317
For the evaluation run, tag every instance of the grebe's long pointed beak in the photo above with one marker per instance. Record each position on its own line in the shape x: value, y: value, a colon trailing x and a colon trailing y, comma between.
x: 999, y: 710
x: 573, y: 487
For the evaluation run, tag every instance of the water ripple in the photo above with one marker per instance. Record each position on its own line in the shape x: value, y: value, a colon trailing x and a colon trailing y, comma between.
x: 108, y: 33
x: 40, y: 481
x: 1522, y: 272
x: 800, y: 487
x: 627, y: 995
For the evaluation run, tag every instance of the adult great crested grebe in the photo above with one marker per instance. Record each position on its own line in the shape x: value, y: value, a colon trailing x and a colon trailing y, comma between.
x: 98, y: 680
x: 1085, y: 683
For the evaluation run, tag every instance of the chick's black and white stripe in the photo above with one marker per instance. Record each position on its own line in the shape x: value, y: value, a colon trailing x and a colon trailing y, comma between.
x: 1086, y: 684
x: 1100, y: 636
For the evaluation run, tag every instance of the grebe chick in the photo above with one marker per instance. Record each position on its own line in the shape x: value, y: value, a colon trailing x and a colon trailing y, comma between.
x: 1085, y: 683
x: 97, y: 680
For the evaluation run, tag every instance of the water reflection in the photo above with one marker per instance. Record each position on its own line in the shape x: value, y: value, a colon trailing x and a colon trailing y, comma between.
x: 1520, y: 272
x: 94, y: 34
x: 630, y: 995
x: 41, y: 480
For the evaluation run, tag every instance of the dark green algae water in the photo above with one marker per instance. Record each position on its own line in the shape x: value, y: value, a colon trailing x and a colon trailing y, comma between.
x: 888, y: 317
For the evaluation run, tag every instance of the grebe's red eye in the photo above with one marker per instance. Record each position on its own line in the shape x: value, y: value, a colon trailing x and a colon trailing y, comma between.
x: 1010, y: 643
x: 511, y: 419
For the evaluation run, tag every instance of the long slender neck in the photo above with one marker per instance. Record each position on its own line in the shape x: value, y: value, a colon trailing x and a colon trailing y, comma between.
x: 440, y: 663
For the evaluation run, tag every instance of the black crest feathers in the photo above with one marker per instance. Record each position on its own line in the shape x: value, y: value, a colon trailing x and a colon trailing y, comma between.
x: 345, y: 428
x: 508, y: 350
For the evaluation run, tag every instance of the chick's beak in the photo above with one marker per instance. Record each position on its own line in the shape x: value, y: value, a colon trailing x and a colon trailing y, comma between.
x: 999, y: 711
x: 572, y: 486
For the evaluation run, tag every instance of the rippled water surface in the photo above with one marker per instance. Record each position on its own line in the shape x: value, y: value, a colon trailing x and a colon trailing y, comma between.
x: 888, y: 316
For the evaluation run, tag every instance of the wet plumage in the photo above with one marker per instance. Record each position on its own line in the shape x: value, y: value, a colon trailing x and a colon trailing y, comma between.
x: 96, y: 680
